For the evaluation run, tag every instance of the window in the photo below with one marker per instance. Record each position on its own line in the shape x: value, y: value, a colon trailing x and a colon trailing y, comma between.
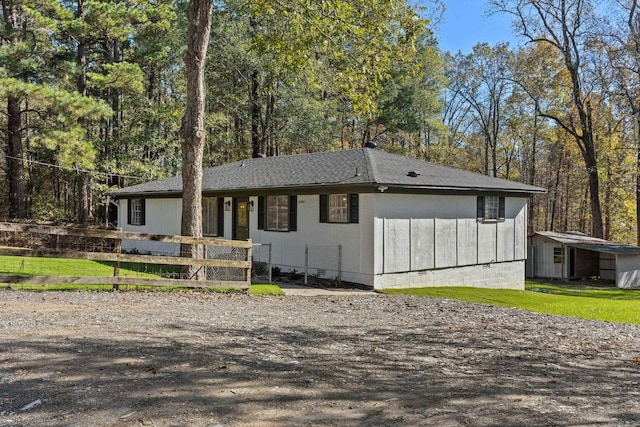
x: 491, y: 208
x: 136, y: 214
x: 558, y: 255
x: 339, y: 208
x: 278, y: 213
x: 212, y: 216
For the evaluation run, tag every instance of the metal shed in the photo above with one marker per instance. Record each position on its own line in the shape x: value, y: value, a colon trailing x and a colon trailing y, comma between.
x: 574, y: 255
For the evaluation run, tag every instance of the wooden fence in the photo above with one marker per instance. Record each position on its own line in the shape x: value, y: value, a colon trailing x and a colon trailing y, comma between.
x: 116, y: 256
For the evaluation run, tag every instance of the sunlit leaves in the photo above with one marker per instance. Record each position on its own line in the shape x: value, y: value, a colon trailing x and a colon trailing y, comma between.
x: 358, y: 41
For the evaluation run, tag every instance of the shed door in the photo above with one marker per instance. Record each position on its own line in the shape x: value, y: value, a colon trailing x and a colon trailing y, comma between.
x: 241, y: 218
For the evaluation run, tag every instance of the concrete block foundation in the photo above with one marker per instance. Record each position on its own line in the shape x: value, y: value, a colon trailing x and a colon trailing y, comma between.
x: 500, y: 275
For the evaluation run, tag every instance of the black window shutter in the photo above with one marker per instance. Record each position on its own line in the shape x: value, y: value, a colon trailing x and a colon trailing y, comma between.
x: 324, y: 208
x: 220, y: 213
x: 353, y: 208
x: 480, y: 204
x: 501, y: 208
x: 128, y: 211
x: 143, y: 211
x: 293, y: 213
x: 261, y: 213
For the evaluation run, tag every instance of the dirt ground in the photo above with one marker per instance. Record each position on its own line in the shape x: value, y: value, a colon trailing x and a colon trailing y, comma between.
x: 196, y: 359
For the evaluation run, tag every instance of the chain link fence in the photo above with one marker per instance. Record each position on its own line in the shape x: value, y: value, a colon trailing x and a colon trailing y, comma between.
x: 261, y: 268
x: 225, y: 253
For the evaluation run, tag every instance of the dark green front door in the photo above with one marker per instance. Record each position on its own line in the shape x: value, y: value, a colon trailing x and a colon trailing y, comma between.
x: 241, y: 218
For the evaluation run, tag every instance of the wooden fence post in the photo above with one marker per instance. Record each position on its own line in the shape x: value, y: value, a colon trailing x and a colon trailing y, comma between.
x: 116, y: 265
x: 248, y: 270
x: 117, y: 257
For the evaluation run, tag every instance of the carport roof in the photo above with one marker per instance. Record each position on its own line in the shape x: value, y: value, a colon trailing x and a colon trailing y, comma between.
x: 584, y: 241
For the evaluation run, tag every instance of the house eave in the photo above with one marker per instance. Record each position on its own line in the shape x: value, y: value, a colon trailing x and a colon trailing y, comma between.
x: 453, y: 190
x: 367, y: 187
x: 146, y: 195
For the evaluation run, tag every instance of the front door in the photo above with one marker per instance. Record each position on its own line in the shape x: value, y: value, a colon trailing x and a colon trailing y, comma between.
x: 241, y: 218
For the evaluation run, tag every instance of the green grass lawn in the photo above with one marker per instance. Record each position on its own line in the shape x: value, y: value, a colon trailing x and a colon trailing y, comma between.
x: 597, y: 302
x: 27, y: 266
x: 31, y: 266
x: 587, y: 300
x: 266, y: 290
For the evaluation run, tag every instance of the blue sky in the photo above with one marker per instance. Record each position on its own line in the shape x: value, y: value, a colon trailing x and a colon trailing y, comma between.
x: 466, y: 24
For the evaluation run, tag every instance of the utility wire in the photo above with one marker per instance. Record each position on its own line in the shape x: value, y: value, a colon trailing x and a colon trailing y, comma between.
x: 107, y: 174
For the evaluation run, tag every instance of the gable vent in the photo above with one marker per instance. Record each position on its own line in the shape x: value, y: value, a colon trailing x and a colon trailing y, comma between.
x: 413, y: 174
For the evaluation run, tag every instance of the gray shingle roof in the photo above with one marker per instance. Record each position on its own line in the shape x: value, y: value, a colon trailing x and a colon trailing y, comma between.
x: 347, y: 167
x: 583, y: 241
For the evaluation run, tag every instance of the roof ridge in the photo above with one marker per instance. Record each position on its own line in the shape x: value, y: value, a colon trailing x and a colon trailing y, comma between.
x: 370, y: 170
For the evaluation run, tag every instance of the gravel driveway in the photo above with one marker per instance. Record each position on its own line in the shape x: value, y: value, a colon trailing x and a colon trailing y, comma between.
x: 196, y: 359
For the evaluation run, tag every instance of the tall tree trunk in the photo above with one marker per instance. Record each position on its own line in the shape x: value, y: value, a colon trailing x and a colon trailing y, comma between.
x: 83, y: 197
x: 597, y: 228
x: 532, y: 175
x: 115, y: 93
x: 607, y: 203
x: 81, y: 55
x: 269, y: 130
x: 556, y: 191
x: 192, y: 131
x: 638, y: 181
x: 486, y: 156
x: 582, y: 221
x: 81, y: 86
x: 592, y: 168
x: 238, y: 127
x: 15, y: 161
x: 494, y: 159
x: 255, y: 114
x: 632, y: 100
x: 495, y: 130
x: 14, y: 150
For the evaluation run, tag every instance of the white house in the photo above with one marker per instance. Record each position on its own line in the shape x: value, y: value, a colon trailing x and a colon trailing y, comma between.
x: 574, y: 255
x: 364, y: 215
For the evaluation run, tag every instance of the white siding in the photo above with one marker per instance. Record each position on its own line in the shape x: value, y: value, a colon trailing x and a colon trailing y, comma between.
x: 467, y: 241
x: 444, y: 228
x: 422, y: 248
x: 445, y: 245
x: 160, y: 218
x: 506, y: 240
x: 487, y: 242
x: 628, y: 271
x: 434, y: 231
x: 288, y: 248
x: 397, y: 246
x: 520, y: 234
x: 545, y: 267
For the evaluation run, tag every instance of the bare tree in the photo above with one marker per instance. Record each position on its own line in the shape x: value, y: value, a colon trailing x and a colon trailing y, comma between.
x: 563, y: 24
x: 622, y: 41
x: 482, y: 81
